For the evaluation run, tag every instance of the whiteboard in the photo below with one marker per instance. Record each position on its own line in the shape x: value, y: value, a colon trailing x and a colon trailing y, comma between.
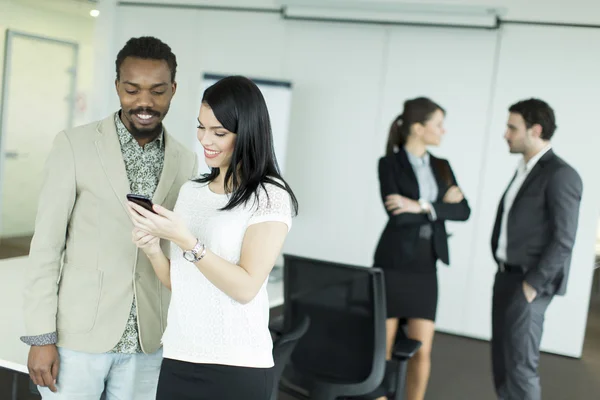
x: 278, y: 96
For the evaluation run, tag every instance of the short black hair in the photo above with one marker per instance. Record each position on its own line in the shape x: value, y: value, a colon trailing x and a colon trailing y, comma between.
x: 147, y: 48
x: 536, y: 111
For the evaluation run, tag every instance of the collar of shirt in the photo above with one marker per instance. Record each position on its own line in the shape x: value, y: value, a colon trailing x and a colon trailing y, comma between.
x: 534, y: 160
x: 126, y: 137
x: 418, y: 161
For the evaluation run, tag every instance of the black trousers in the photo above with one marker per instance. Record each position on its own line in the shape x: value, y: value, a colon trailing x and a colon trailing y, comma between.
x: 180, y: 380
x: 517, y: 327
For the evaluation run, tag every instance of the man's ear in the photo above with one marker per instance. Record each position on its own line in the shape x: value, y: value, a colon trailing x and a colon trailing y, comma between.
x: 536, y: 130
x: 174, y: 87
x: 117, y: 85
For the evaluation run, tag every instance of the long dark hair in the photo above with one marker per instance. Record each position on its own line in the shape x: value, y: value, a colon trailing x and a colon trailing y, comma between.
x: 240, y: 107
x: 416, y: 111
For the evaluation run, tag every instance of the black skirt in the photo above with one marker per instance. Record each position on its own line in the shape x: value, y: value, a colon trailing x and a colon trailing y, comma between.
x: 412, y: 292
x: 180, y: 380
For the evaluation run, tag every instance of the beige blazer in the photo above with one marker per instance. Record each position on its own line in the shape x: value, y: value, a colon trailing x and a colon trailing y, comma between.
x: 86, y: 295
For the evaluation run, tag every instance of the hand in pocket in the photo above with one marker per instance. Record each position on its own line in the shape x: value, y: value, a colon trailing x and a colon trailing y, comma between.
x: 529, y: 292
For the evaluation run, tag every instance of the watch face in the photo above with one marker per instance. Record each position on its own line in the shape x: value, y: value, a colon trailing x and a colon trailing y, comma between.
x: 189, y: 256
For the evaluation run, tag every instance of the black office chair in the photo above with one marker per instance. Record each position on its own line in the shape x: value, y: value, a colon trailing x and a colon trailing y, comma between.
x: 283, y: 345
x: 342, y: 355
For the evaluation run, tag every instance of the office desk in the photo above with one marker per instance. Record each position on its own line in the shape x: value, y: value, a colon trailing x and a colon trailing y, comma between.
x: 13, y: 353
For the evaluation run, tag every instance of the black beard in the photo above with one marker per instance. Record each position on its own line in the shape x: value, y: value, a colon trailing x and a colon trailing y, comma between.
x: 143, y: 134
x: 146, y: 134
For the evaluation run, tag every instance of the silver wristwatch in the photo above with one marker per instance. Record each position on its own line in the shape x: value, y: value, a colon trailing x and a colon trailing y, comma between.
x: 196, y: 254
x: 425, y: 206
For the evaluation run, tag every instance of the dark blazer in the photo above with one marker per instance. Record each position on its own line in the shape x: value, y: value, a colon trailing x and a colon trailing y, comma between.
x: 542, y: 224
x: 398, y: 240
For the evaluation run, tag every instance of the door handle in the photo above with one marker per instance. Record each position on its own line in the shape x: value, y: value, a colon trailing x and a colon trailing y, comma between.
x: 11, y: 155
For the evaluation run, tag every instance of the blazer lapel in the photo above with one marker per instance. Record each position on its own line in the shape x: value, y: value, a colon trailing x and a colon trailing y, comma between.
x: 169, y: 172
x: 111, y: 157
x: 436, y: 168
x: 506, y: 190
x: 499, y: 214
x: 406, y: 169
x: 537, y: 169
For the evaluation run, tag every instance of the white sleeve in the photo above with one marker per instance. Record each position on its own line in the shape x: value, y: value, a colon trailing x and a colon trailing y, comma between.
x: 432, y: 214
x: 273, y: 205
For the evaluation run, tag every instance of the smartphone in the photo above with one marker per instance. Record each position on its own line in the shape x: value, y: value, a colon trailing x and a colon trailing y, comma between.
x: 141, y: 201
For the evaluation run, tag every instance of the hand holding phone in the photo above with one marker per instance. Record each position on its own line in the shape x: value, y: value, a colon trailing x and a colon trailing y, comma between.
x: 142, y: 201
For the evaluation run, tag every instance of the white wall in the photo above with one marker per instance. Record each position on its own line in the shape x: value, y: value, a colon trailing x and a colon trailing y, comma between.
x: 26, y: 18
x: 350, y: 80
x: 557, y: 11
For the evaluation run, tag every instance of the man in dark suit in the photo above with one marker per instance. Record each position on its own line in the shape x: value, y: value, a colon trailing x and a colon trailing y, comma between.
x: 532, y: 243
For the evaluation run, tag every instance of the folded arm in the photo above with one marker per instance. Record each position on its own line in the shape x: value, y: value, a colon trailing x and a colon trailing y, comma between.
x: 450, y: 211
x: 447, y: 209
x: 388, y: 186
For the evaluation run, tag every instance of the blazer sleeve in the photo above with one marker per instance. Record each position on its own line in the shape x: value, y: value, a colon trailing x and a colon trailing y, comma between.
x: 388, y: 185
x: 56, y: 202
x: 563, y: 197
x: 452, y: 211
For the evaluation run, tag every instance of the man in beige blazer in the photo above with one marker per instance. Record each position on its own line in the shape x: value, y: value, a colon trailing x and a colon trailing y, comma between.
x: 94, y: 309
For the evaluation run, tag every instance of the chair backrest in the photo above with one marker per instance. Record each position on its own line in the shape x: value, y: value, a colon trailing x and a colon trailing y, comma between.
x: 282, y: 349
x: 345, y: 343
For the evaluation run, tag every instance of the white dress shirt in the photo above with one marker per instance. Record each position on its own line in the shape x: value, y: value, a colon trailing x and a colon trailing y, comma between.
x: 523, y: 171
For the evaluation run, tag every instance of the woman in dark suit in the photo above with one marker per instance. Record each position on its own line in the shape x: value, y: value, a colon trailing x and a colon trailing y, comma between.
x: 420, y: 193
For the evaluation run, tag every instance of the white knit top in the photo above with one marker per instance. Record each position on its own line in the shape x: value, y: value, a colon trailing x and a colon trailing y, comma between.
x: 204, y: 324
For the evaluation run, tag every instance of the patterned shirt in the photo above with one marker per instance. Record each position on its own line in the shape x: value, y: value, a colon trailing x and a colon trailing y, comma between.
x: 143, y: 166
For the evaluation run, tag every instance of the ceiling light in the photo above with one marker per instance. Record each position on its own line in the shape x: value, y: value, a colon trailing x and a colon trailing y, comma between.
x: 94, y: 13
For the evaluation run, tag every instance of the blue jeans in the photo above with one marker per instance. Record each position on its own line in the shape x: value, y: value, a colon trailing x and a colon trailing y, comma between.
x: 85, y: 376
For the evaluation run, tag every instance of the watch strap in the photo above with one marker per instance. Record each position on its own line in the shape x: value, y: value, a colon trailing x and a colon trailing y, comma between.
x: 197, y: 247
x: 198, y: 252
x: 425, y: 206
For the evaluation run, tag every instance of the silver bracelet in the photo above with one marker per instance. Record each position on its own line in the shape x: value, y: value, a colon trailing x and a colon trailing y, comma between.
x: 202, y: 253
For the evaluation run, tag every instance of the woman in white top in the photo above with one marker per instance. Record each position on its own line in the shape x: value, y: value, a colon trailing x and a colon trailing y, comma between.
x: 226, y: 231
